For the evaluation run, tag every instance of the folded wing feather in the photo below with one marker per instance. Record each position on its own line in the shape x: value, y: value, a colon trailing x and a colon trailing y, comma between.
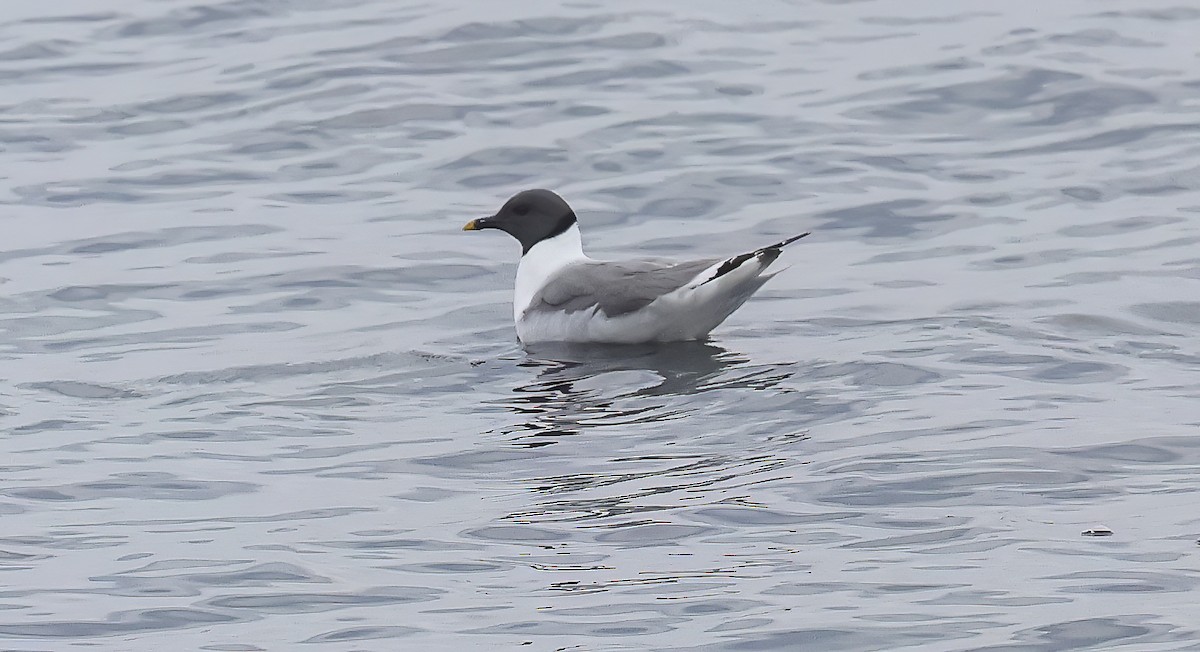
x: 621, y: 287
x: 615, y: 288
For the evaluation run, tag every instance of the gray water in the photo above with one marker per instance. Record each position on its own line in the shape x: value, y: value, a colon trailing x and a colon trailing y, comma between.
x: 260, y: 393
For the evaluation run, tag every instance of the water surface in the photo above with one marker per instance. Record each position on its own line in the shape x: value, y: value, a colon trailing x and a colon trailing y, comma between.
x: 260, y: 393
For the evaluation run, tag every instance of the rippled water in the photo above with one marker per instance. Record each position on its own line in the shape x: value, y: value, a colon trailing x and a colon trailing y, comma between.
x: 259, y: 391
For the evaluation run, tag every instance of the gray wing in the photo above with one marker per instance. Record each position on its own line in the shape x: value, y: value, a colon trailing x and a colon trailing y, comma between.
x: 617, y: 287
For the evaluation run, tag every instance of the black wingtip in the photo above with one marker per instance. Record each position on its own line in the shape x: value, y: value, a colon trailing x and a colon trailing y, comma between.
x: 783, y: 243
x: 767, y: 255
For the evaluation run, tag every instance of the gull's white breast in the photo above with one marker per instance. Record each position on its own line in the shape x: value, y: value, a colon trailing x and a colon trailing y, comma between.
x: 542, y: 262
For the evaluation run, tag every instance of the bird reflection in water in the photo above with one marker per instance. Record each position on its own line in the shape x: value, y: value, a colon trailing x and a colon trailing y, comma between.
x: 650, y: 429
x: 576, y: 388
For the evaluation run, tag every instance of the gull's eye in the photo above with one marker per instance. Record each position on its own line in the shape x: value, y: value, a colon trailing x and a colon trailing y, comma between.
x: 521, y: 209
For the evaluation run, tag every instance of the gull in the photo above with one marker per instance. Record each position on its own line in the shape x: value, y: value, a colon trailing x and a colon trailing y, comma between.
x: 562, y: 295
